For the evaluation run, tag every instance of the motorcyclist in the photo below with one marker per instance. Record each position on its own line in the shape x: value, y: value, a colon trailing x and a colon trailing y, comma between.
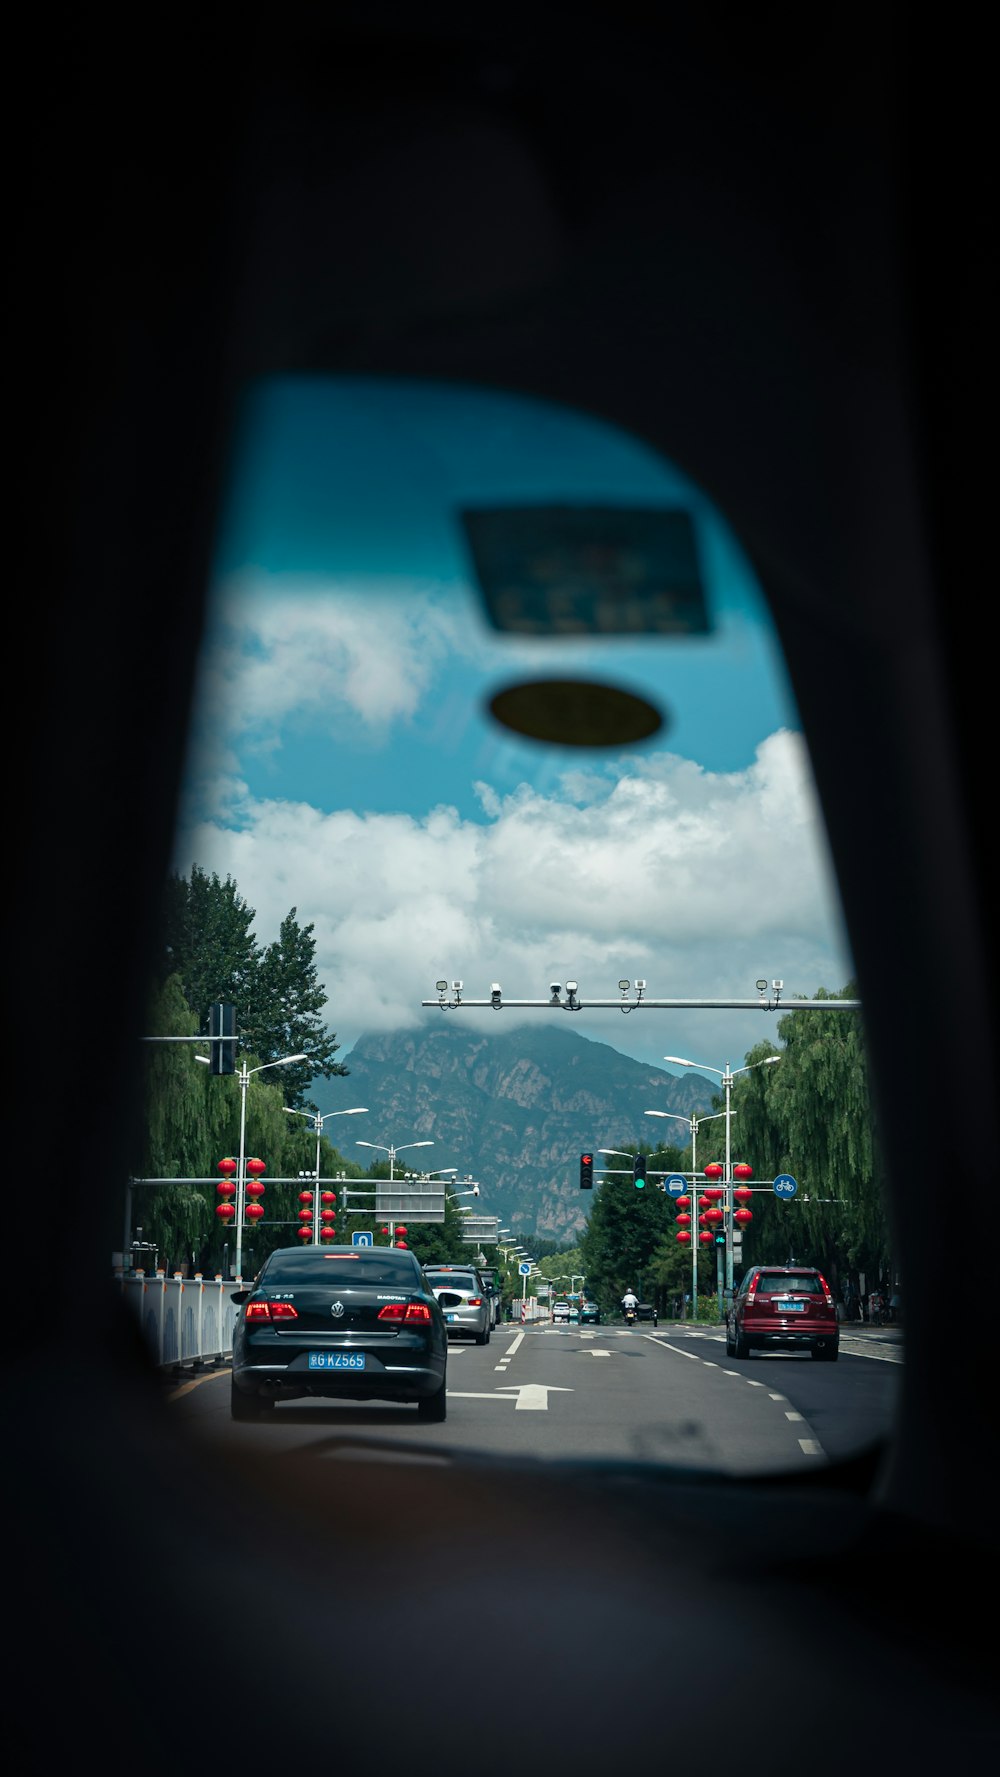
x: 630, y: 1302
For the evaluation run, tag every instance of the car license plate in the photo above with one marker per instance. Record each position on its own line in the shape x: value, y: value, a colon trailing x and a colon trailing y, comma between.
x: 451, y: 1317
x: 790, y: 1307
x: 336, y: 1360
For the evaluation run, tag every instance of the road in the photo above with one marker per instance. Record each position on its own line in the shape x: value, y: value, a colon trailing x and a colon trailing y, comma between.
x: 666, y: 1396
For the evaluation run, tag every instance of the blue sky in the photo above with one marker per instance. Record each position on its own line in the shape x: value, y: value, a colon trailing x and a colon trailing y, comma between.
x: 343, y: 760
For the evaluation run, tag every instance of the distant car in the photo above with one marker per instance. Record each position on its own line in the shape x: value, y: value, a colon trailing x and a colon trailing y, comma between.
x: 647, y: 1311
x: 493, y: 1288
x: 464, y: 1300
x: 560, y: 1311
x: 784, y: 1308
x: 342, y: 1323
x: 589, y: 1312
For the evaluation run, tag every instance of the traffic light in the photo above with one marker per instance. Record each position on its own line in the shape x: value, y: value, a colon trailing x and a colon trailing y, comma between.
x: 222, y: 1024
x: 586, y: 1172
x: 639, y: 1171
x: 719, y: 1235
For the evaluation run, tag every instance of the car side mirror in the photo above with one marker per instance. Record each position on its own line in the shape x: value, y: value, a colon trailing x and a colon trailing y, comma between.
x: 239, y: 1296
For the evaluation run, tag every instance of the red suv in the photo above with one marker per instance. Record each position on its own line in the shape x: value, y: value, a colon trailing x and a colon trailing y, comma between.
x: 783, y: 1307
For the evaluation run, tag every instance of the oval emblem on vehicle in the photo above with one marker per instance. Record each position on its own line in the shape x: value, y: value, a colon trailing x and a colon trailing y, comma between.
x: 337, y: 1310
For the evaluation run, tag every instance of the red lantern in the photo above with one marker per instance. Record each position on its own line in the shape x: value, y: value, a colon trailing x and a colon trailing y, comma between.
x: 742, y: 1170
x: 682, y: 1202
x: 327, y: 1215
x: 385, y: 1230
x: 400, y: 1229
x: 328, y: 1197
x: 254, y: 1211
x: 684, y: 1238
x: 742, y: 1193
x: 305, y: 1196
x: 255, y: 1188
x: 714, y: 1195
x: 705, y: 1239
x: 683, y: 1220
x: 305, y: 1233
x: 225, y: 1212
x: 305, y: 1215
x: 255, y: 1168
x: 743, y: 1216
x: 402, y: 1243
x: 328, y: 1233
x: 713, y: 1216
x: 226, y: 1188
x: 713, y: 1169
x: 226, y: 1166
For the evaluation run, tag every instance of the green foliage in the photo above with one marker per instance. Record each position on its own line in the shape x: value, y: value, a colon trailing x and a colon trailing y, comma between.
x: 812, y: 1117
x: 192, y: 1118
x: 208, y: 946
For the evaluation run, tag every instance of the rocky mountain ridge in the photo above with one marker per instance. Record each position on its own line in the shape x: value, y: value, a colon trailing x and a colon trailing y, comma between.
x: 515, y: 1111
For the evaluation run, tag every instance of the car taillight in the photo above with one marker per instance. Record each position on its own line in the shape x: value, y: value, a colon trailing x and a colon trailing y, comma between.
x: 475, y: 1301
x: 399, y: 1311
x: 271, y: 1311
x: 826, y: 1290
x: 751, y: 1292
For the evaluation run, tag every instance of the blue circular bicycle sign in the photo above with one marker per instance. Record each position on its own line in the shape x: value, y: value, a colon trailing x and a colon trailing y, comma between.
x: 675, y: 1184
x: 785, y: 1185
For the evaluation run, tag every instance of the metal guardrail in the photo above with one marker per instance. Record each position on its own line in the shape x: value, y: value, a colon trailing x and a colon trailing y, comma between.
x: 184, y: 1320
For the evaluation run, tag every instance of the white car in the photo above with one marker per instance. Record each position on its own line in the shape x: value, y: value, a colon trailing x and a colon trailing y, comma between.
x: 560, y: 1311
x: 464, y: 1300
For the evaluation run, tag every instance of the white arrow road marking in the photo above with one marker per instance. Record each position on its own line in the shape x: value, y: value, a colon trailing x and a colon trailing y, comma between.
x: 533, y: 1397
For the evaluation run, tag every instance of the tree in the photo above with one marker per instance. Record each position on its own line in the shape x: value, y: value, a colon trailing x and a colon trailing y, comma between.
x: 209, y: 945
x: 207, y: 939
x: 282, y: 1017
x: 624, y: 1230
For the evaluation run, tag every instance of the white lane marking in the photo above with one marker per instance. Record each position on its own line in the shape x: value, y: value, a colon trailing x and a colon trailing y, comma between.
x: 810, y: 1447
x: 793, y: 1415
x: 516, y: 1342
x: 596, y: 1351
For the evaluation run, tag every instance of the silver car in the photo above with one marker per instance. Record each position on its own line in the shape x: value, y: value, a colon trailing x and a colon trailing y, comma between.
x: 463, y: 1299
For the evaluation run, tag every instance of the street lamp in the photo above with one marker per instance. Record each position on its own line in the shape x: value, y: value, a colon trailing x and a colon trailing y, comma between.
x: 241, y: 1176
x: 392, y: 1152
x: 693, y: 1124
x: 726, y: 1075
x: 318, y: 1121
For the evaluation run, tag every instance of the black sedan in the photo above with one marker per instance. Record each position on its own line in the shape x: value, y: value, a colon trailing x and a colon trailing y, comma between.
x: 347, y: 1323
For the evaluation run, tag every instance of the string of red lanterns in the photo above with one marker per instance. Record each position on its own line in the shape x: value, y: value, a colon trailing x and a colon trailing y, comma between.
x: 711, y: 1195
x: 254, y: 1209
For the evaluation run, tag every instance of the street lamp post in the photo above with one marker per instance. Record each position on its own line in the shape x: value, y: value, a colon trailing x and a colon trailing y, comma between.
x: 392, y: 1152
x: 727, y: 1076
x: 241, y: 1171
x: 318, y: 1121
x: 693, y: 1124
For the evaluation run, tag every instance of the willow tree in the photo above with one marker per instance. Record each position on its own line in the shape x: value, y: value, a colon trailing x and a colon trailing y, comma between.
x: 178, y: 1132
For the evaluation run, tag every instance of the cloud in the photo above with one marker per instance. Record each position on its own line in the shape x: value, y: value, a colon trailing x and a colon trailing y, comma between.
x: 700, y: 882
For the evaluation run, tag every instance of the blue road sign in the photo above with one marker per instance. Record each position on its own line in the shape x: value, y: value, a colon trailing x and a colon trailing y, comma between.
x: 524, y: 1269
x: 675, y: 1184
x: 785, y: 1185
x: 361, y: 1237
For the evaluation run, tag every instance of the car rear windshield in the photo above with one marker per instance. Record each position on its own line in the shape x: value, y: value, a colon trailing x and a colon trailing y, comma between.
x: 799, y: 1283
x: 340, y: 1270
x: 461, y: 1280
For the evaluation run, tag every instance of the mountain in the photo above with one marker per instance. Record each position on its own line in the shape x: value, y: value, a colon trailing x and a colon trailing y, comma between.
x: 514, y: 1111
